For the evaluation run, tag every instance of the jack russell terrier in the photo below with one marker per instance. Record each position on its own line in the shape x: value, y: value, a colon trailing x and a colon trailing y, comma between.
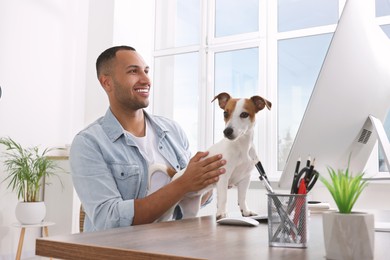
x: 236, y: 148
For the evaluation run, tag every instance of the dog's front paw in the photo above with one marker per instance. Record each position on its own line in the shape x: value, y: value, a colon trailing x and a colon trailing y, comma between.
x: 221, y: 215
x: 248, y: 213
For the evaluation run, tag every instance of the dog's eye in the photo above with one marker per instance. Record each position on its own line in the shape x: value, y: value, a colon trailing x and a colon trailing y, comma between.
x: 225, y: 114
x: 244, y: 115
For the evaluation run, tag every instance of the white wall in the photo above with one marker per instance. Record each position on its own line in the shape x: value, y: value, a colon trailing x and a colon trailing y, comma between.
x: 48, y: 51
x: 100, y: 37
x: 42, y: 64
x: 42, y: 73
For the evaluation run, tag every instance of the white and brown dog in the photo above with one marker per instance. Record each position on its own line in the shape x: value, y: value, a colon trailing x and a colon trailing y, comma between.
x: 236, y: 148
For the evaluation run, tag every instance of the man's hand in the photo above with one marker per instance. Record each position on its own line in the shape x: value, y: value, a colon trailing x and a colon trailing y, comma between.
x: 201, y: 171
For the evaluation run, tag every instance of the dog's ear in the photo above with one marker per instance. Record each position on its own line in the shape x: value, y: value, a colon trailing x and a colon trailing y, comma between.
x: 222, y: 99
x: 260, y: 103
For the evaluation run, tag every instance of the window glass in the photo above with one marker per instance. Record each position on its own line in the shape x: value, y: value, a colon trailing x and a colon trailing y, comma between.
x: 177, y: 77
x: 237, y: 73
x: 299, y: 63
x: 386, y: 29
x: 177, y: 23
x: 382, y: 7
x: 301, y: 14
x: 236, y: 17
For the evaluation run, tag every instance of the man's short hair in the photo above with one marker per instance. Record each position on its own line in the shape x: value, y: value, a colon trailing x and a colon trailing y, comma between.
x: 103, y: 61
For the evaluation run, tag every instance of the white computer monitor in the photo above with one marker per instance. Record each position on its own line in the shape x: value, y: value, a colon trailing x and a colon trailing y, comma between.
x: 353, y: 83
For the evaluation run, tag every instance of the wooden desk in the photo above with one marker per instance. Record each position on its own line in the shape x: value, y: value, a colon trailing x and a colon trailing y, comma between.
x: 192, y: 238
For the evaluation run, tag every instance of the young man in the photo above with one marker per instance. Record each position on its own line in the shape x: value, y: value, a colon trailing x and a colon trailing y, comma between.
x: 110, y: 158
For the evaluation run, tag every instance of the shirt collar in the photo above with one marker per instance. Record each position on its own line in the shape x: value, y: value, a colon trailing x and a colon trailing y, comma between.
x: 114, y: 129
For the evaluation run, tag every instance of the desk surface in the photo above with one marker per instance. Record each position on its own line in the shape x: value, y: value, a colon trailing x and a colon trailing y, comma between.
x: 191, y: 238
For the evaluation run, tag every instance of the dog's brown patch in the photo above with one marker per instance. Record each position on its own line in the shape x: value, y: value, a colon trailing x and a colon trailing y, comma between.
x: 229, y: 108
x: 250, y: 108
x: 171, y: 172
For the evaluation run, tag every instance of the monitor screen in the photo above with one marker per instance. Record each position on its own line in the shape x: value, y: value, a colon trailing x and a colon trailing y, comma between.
x: 353, y: 83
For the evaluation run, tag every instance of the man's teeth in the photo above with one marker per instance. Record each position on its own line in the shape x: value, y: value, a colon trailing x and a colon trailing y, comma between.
x: 142, y: 90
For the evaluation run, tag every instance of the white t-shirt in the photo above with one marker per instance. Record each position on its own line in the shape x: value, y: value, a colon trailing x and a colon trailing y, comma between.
x: 148, y: 148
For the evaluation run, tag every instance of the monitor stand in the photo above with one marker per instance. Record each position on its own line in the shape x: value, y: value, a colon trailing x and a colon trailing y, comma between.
x: 382, y: 138
x: 385, y: 145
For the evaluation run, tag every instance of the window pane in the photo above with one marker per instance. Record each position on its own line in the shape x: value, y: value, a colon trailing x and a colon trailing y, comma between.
x: 386, y: 29
x: 177, y: 23
x: 178, y: 78
x: 301, y: 14
x: 237, y: 73
x: 299, y: 62
x: 236, y: 17
x: 382, y: 7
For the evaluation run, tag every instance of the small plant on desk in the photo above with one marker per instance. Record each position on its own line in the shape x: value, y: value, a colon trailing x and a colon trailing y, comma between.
x: 344, y: 187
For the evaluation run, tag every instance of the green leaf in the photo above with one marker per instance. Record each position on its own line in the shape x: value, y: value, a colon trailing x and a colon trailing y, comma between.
x: 344, y: 187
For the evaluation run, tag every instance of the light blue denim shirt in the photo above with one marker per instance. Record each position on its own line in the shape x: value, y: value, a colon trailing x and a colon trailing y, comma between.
x: 109, y: 171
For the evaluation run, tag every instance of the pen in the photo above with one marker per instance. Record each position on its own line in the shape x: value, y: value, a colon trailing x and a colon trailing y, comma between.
x: 302, y: 187
x: 295, y: 176
x: 297, y: 166
x: 311, y: 168
x: 263, y: 177
x: 308, y: 161
x: 260, y: 168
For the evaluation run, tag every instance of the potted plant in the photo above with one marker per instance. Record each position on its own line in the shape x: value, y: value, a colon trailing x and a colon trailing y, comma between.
x: 27, y: 168
x: 347, y: 234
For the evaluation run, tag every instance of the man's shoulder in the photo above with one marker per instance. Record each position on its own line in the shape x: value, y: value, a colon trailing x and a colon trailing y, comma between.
x: 92, y: 127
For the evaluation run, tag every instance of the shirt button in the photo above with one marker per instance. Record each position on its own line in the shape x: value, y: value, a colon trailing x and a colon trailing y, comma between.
x: 122, y: 174
x: 177, y: 167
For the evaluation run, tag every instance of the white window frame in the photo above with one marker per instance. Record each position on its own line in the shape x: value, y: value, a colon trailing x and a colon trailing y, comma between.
x: 266, y: 41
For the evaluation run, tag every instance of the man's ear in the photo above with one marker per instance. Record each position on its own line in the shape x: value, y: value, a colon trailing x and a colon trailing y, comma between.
x: 106, y: 82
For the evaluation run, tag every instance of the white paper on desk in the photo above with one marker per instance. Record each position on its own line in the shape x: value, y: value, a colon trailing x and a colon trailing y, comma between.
x: 382, y: 226
x: 319, y: 206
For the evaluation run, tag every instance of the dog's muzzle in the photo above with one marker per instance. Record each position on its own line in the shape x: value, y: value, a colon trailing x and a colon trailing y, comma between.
x: 228, y: 133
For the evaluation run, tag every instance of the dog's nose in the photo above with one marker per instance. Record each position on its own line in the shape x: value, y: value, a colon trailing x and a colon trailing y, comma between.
x: 228, y: 132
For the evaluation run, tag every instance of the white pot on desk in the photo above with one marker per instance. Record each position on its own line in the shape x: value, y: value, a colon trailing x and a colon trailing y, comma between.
x: 349, y: 236
x: 29, y: 213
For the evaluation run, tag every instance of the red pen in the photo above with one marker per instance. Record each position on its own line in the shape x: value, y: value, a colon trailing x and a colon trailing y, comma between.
x: 302, y: 187
x: 299, y: 204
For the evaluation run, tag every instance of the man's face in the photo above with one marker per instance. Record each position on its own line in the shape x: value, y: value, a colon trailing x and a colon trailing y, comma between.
x: 130, y: 79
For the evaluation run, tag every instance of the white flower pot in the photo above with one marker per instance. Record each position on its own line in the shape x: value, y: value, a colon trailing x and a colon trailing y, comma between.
x: 29, y: 213
x: 349, y: 236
